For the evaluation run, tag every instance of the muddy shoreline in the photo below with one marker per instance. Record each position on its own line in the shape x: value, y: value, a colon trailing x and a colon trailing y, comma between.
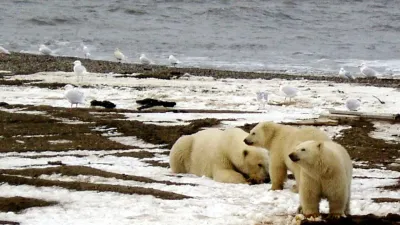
x: 22, y: 63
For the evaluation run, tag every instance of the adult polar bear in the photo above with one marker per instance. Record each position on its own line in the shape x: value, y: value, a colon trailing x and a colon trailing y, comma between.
x: 280, y: 140
x: 220, y: 155
x: 325, y: 171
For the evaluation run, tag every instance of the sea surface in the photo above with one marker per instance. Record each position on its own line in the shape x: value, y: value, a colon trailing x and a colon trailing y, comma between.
x: 291, y: 36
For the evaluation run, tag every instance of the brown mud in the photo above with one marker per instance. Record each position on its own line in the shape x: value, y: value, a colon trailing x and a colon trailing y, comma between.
x: 390, y: 219
x: 18, y: 204
x: 84, y: 186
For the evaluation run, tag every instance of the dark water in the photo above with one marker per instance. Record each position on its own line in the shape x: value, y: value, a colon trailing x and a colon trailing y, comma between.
x: 305, y: 36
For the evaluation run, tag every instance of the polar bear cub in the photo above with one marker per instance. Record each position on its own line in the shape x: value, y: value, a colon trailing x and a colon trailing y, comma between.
x: 325, y: 172
x: 220, y: 155
x: 280, y: 140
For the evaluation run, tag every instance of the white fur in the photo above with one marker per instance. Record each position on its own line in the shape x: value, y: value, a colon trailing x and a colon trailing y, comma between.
x: 280, y: 141
x: 325, y: 172
x: 219, y: 155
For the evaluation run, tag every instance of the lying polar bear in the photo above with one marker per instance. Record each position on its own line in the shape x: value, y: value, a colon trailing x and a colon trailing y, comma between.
x: 221, y: 155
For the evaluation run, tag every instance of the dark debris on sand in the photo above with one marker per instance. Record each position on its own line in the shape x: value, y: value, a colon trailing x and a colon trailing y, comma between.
x: 370, y: 219
x: 17, y: 204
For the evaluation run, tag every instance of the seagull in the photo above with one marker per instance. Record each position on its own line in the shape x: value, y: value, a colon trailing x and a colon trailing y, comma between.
x: 288, y: 91
x: 4, y: 51
x: 118, y: 54
x: 144, y: 60
x: 79, y: 69
x: 262, y: 97
x: 174, y: 61
x: 45, y: 50
x: 353, y: 104
x: 345, y: 74
x: 74, y: 95
x: 366, y: 71
x: 86, y: 51
x: 388, y: 73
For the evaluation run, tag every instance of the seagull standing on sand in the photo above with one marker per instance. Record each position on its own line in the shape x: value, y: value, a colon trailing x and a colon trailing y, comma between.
x: 45, y: 50
x: 174, y: 61
x: 366, y: 71
x: 119, y: 55
x: 4, y: 51
x: 86, y: 51
x: 345, y: 74
x: 79, y: 70
x: 353, y: 104
x: 74, y: 95
x: 288, y: 91
x: 144, y: 60
x: 262, y: 97
x: 388, y: 73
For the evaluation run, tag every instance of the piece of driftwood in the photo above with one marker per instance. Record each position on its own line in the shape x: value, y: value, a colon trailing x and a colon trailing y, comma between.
x: 356, y: 115
x: 151, y: 102
x: 3, y: 104
x: 105, y: 104
x: 313, y: 122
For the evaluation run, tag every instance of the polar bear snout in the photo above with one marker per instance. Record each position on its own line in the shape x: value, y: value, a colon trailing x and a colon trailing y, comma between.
x: 247, y: 142
x: 294, y: 157
x: 259, y: 181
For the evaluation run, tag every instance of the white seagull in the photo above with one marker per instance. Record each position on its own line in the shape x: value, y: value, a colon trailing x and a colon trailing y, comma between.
x: 74, y: 95
x: 353, y: 104
x: 119, y: 55
x: 144, y: 60
x: 174, y: 61
x: 45, y: 50
x: 4, y: 51
x: 262, y: 97
x: 86, y: 51
x: 345, y: 74
x: 79, y: 69
x: 288, y: 91
x: 388, y: 73
x: 366, y: 71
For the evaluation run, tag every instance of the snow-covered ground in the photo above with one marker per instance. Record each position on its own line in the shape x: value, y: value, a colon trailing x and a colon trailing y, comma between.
x: 212, y: 202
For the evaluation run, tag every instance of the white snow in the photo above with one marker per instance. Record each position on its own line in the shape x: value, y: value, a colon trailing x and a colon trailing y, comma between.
x: 212, y: 203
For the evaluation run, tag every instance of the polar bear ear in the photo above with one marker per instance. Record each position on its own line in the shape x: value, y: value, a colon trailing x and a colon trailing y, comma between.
x: 245, y: 153
x: 320, y: 145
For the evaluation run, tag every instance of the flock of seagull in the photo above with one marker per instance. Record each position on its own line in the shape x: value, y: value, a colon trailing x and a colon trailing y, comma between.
x: 76, y: 96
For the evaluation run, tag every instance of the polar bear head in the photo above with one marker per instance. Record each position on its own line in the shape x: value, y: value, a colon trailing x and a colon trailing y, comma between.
x: 307, y: 153
x: 255, y: 165
x: 261, y: 134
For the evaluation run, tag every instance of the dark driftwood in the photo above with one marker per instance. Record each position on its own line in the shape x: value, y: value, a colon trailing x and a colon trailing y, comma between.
x: 354, y: 115
x: 150, y: 102
x: 314, y: 122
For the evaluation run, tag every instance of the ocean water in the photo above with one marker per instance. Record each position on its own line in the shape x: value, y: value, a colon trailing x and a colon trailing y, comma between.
x: 307, y: 36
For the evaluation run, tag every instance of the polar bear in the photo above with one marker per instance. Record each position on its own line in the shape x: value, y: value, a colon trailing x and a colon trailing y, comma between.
x: 280, y: 140
x: 220, y: 155
x: 325, y: 171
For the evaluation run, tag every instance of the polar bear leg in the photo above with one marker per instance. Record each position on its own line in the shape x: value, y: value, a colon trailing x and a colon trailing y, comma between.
x: 296, y: 175
x: 310, y: 196
x: 278, y: 173
x: 228, y: 176
x: 180, y: 155
x: 347, y: 210
x: 338, y: 205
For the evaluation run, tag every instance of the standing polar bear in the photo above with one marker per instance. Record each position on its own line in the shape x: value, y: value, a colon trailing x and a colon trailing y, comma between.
x: 280, y: 140
x: 325, y: 171
x: 220, y: 155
